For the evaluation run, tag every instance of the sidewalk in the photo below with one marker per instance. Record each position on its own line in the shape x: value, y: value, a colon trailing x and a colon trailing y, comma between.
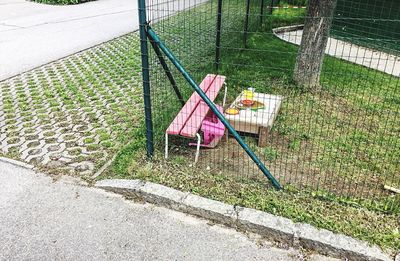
x: 46, y: 220
x: 33, y: 34
x: 373, y: 59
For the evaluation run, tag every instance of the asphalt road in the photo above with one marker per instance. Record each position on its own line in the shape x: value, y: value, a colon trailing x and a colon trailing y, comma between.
x: 33, y: 34
x: 42, y: 219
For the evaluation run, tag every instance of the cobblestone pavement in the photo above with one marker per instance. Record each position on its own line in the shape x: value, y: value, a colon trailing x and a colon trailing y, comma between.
x: 72, y: 115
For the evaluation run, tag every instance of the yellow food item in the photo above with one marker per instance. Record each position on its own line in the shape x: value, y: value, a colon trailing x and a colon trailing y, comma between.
x: 248, y: 95
x: 232, y: 111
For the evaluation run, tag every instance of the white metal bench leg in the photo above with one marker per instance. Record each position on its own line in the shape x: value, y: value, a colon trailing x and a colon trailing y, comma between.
x: 225, y: 93
x: 226, y: 89
x: 198, y: 148
x: 166, y: 145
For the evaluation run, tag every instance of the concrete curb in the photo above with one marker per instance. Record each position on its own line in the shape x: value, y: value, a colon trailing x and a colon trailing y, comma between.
x: 267, y: 225
x: 17, y: 163
x: 286, y: 29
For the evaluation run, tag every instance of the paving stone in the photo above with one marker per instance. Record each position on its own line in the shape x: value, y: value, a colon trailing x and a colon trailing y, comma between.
x: 55, y: 164
x: 54, y: 148
x: 68, y: 99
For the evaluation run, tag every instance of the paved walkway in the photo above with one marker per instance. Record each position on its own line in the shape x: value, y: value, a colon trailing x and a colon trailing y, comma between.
x: 33, y: 34
x: 70, y: 115
x: 46, y: 220
x: 350, y: 52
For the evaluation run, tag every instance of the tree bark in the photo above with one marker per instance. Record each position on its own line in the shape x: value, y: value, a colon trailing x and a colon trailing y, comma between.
x: 317, y: 25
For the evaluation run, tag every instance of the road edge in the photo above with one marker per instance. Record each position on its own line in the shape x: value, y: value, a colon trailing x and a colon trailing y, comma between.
x: 267, y: 225
x: 16, y: 163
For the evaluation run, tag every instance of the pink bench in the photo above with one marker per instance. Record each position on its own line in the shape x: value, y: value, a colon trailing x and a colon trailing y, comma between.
x: 196, y: 115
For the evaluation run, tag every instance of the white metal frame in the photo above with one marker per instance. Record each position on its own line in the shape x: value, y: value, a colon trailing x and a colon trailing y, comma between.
x: 197, y: 147
x: 166, y: 146
x: 226, y: 90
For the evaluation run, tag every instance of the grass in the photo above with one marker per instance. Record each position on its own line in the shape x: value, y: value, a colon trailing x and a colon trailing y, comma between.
x: 337, y: 143
x: 342, y: 138
x: 353, y: 110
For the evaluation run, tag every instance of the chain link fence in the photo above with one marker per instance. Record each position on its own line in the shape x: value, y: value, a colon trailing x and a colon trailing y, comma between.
x: 341, y: 138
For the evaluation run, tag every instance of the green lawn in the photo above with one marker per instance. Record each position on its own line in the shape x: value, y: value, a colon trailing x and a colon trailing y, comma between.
x: 330, y: 147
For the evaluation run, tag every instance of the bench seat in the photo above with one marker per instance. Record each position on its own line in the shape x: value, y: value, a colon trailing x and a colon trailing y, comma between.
x: 188, y: 121
x: 195, y: 115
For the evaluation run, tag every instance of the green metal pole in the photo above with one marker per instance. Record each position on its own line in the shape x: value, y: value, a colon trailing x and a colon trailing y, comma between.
x: 154, y: 37
x: 167, y: 72
x: 271, y: 6
x: 146, y: 77
x: 218, y: 37
x: 246, y: 23
x: 262, y: 12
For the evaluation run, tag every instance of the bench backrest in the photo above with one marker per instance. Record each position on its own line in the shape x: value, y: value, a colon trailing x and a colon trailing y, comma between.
x: 188, y: 121
x: 193, y: 124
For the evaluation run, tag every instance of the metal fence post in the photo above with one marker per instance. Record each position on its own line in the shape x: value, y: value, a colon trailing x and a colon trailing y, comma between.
x: 146, y: 77
x: 262, y: 12
x: 271, y: 6
x: 246, y: 23
x: 218, y: 36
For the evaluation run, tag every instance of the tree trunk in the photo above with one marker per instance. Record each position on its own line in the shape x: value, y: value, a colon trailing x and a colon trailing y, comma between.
x: 313, y: 43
